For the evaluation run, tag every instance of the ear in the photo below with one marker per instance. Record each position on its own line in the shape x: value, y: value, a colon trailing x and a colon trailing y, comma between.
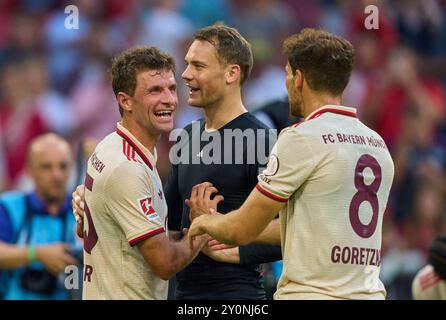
x: 233, y: 74
x: 298, y: 79
x: 125, y: 101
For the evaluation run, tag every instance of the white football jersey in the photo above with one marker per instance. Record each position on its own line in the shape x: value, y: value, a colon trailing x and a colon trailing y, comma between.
x: 125, y: 204
x: 335, y: 175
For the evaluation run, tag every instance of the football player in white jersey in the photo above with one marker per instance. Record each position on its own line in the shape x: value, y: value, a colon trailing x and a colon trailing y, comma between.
x: 328, y: 176
x: 127, y: 254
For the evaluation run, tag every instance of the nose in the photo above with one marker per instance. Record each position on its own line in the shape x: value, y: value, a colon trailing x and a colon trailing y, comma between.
x: 57, y: 174
x: 186, y: 74
x: 170, y: 98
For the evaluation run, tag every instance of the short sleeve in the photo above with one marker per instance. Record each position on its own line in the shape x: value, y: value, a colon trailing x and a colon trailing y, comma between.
x: 290, y: 164
x: 253, y: 169
x: 130, y: 202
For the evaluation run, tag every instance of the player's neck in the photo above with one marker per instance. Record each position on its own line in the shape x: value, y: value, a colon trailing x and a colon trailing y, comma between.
x: 224, y: 111
x: 312, y: 102
x: 146, y: 139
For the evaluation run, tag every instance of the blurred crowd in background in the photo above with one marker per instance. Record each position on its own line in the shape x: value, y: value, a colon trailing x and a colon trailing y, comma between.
x: 55, y: 79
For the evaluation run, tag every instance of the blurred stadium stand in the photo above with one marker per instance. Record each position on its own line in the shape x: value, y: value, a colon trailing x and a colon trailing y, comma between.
x: 55, y: 79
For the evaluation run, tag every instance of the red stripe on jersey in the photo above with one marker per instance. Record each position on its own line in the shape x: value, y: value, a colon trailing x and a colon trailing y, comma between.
x: 145, y: 236
x: 270, y: 195
x: 129, y: 151
x: 138, y: 150
x: 124, y: 148
x: 88, y: 182
x: 333, y: 110
x: 296, y: 124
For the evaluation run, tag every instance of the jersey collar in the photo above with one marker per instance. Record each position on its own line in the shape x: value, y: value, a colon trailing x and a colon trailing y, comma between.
x: 142, y: 151
x: 346, y: 111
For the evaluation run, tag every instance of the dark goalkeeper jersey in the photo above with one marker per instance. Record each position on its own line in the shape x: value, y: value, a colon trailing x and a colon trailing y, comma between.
x: 230, y: 158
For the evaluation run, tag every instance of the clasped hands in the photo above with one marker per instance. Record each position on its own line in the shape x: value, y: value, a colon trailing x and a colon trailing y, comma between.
x: 201, y: 207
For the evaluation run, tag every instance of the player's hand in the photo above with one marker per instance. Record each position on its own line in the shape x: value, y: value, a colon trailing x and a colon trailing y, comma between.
x: 227, y: 255
x: 196, y: 229
x: 200, y: 201
x: 216, y: 245
x: 78, y: 203
x: 54, y: 257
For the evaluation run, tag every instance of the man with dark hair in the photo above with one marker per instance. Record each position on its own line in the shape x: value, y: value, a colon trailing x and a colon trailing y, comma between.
x: 127, y: 253
x: 330, y: 178
x: 430, y: 281
x: 230, y: 47
x: 218, y: 61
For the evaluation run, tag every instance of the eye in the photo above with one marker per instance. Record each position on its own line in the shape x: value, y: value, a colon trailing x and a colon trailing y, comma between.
x: 155, y: 89
x: 198, y: 65
x: 63, y: 166
x: 46, y: 166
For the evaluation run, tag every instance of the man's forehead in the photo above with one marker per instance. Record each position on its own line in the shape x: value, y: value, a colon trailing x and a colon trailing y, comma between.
x: 156, y: 75
x: 59, y: 153
x: 199, y: 49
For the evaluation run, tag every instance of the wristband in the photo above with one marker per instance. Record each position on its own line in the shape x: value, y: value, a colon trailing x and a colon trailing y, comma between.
x: 31, y: 253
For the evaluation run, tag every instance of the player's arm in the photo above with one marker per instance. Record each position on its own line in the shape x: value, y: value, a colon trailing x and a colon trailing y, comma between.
x: 237, y: 227
x: 174, y: 235
x: 227, y: 255
x: 130, y: 199
x: 271, y: 234
x: 165, y: 257
x: 264, y: 251
x: 287, y: 170
x: 168, y: 255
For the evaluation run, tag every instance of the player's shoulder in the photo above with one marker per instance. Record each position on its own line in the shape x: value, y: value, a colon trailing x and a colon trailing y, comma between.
x: 301, y: 128
x: 199, y: 122
x: 251, y: 121
x: 115, y: 155
x: 247, y: 121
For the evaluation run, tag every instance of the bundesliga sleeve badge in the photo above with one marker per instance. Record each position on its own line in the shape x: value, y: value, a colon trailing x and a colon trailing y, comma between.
x: 147, y: 209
